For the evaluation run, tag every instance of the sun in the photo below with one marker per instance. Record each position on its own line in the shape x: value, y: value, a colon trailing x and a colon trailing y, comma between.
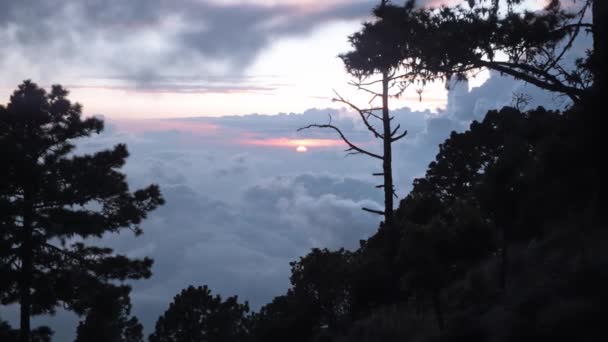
x: 301, y: 148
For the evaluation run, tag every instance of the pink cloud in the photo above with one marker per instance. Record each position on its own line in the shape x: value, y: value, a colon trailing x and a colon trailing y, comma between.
x: 291, y: 143
x: 199, y: 130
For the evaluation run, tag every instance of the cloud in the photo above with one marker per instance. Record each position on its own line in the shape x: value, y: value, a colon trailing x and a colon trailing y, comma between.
x: 151, y: 42
x: 146, y: 40
x: 181, y: 85
x: 496, y: 92
x: 198, y: 239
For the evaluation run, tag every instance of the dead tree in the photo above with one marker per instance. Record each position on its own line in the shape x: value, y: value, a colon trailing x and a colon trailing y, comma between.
x: 372, y: 118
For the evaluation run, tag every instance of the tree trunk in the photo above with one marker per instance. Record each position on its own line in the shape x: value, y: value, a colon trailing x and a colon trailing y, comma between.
x: 437, y: 308
x: 25, y: 279
x: 387, y: 166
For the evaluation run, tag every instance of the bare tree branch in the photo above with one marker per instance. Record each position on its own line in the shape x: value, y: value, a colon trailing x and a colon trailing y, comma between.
x: 352, y: 146
x: 374, y: 115
x: 399, y: 137
x: 373, y: 211
x: 395, y: 130
x: 367, y: 90
x: 362, y: 114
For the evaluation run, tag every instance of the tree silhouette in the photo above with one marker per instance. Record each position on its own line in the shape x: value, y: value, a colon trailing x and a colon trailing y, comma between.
x: 490, y: 187
x: 369, y: 116
x: 8, y: 334
x: 438, y: 245
x: 426, y: 263
x: 323, y: 278
x: 375, y: 274
x: 52, y: 200
x: 107, y: 319
x: 500, y: 194
x: 289, y: 317
x: 427, y: 45
x: 196, y: 315
x: 479, y: 177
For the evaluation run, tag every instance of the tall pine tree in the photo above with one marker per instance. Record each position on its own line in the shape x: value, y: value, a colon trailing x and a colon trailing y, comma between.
x: 51, y: 201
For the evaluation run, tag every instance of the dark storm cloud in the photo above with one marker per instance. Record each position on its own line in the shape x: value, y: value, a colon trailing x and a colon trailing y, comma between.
x: 233, y: 33
x: 239, y: 32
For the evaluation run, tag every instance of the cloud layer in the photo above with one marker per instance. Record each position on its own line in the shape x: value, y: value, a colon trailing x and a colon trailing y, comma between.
x: 157, y: 45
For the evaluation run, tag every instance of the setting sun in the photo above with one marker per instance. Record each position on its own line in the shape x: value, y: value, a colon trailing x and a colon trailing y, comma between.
x: 297, y: 143
x: 301, y: 148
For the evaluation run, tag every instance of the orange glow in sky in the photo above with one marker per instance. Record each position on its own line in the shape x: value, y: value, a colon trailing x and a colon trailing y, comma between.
x: 204, y: 129
x: 291, y: 143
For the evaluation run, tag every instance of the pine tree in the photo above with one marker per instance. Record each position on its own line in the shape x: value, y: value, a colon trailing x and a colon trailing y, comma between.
x: 108, y: 318
x: 51, y: 201
x: 196, y: 315
x: 426, y: 44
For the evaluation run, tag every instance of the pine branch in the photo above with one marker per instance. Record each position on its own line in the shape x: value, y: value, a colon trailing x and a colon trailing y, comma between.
x: 554, y: 85
x: 577, y: 29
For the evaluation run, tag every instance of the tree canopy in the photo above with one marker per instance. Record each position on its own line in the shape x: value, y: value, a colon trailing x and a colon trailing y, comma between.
x: 107, y: 319
x: 429, y: 44
x: 196, y: 315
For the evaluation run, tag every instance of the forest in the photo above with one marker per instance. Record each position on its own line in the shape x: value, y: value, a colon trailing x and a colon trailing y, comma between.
x: 503, y: 239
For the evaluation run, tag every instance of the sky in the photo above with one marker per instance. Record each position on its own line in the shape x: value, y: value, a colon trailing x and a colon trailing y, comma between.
x: 208, y: 95
x: 165, y: 58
